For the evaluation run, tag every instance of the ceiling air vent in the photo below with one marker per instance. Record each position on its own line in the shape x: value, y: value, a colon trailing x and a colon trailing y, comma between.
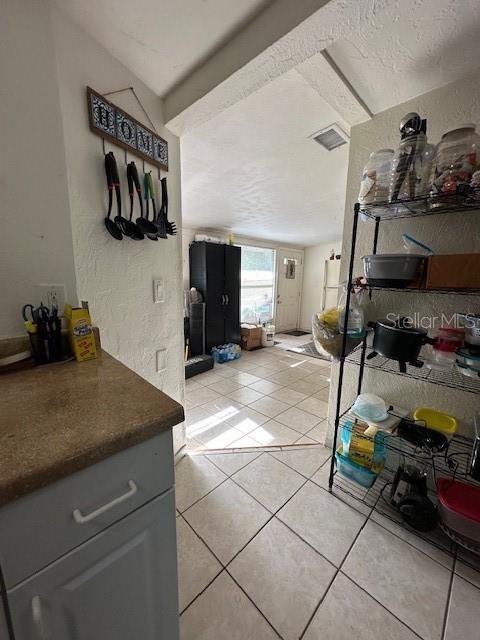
x: 331, y: 137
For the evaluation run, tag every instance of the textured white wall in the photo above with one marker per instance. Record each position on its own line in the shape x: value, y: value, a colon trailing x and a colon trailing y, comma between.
x: 116, y: 277
x: 313, y: 276
x: 36, y: 236
x: 444, y: 108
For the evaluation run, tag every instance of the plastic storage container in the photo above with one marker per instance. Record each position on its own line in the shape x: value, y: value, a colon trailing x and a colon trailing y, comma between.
x: 376, y: 177
x: 436, y: 420
x: 370, y: 407
x: 447, y: 342
x: 459, y: 510
x: 456, y: 160
x: 393, y: 269
x: 354, y: 471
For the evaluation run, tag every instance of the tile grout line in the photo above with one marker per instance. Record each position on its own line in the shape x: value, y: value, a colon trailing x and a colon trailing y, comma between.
x: 269, y: 396
x: 367, y: 518
x: 359, y: 586
x: 225, y: 566
x: 260, y: 454
x: 374, y: 510
x: 253, y: 603
x: 413, y: 546
x: 459, y: 575
x: 206, y: 494
x: 287, y: 465
x: 449, y: 597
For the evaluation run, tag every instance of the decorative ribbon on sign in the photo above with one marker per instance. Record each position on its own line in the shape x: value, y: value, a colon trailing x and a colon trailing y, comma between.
x: 112, y: 123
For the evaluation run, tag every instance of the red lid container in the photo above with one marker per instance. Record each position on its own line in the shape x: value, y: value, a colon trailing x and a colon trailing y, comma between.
x: 449, y: 339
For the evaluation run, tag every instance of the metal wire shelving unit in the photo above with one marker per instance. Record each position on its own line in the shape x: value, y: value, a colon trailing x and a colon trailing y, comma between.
x: 453, y: 462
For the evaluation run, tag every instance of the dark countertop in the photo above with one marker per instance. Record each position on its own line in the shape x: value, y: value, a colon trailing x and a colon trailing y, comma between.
x: 58, y: 419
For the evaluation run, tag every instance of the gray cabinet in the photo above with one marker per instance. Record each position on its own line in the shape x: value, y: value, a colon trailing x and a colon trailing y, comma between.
x: 119, y: 585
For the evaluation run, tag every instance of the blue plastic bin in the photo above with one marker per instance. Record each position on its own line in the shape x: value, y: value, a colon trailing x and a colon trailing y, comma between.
x: 353, y: 471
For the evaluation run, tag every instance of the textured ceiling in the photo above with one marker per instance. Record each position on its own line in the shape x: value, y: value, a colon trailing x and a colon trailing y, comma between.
x: 246, y: 161
x: 253, y: 168
x: 409, y: 48
x: 158, y: 40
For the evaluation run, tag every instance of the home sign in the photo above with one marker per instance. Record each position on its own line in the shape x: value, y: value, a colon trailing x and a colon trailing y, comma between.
x: 113, y: 124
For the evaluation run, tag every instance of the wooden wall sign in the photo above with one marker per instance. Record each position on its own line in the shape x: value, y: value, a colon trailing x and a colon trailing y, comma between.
x: 113, y: 124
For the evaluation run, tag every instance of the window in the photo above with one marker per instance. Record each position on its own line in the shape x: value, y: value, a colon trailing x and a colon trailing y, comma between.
x: 257, y: 284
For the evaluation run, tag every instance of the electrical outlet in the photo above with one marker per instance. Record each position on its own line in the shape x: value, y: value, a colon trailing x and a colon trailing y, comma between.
x: 161, y: 360
x: 52, y: 294
x: 158, y: 291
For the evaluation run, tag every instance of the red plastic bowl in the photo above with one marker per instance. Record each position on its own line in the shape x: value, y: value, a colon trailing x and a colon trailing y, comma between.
x: 459, y: 508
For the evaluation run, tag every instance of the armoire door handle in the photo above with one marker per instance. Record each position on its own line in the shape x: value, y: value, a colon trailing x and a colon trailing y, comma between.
x: 223, y: 299
x: 227, y: 300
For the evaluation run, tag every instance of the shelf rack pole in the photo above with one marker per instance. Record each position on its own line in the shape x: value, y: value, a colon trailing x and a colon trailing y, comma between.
x: 362, y: 364
x: 375, y: 237
x: 356, y: 211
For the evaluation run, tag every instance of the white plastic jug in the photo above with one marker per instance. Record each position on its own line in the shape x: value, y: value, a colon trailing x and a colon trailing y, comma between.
x: 268, y: 335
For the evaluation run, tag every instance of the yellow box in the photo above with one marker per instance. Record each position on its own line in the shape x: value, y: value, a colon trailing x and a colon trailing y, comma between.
x: 80, y: 331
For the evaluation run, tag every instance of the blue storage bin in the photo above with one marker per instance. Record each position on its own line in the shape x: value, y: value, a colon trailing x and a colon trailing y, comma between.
x: 353, y: 471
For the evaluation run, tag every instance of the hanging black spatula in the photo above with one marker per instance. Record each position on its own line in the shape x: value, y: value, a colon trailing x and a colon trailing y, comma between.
x: 112, y: 228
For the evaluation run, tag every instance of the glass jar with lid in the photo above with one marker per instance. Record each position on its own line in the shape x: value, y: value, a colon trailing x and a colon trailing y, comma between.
x: 376, y: 177
x: 411, y: 166
x: 457, y: 159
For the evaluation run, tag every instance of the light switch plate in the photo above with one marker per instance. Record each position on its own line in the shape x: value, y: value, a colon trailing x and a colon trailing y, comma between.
x: 161, y: 360
x: 158, y: 291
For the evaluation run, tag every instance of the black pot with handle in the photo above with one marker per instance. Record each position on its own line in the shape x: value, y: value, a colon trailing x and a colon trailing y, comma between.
x: 399, y: 340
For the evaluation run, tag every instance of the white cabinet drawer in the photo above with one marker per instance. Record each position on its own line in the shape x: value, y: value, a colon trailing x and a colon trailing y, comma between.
x: 40, y: 527
x: 121, y: 585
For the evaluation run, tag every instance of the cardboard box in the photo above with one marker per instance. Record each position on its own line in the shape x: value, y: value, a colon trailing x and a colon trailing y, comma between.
x: 456, y: 271
x: 80, y: 330
x: 251, y: 336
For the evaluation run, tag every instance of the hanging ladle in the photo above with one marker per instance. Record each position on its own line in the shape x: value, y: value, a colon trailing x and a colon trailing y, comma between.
x: 145, y: 226
x: 112, y: 228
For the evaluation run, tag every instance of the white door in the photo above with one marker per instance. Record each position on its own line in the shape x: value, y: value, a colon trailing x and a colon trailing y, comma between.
x: 289, y: 289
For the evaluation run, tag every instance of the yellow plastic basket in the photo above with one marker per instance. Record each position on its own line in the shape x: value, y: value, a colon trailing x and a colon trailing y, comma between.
x: 436, y: 420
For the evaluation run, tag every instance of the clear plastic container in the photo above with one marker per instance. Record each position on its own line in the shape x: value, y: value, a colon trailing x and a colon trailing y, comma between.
x: 447, y: 342
x: 376, y: 177
x: 414, y: 246
x: 457, y: 159
x: 370, y: 408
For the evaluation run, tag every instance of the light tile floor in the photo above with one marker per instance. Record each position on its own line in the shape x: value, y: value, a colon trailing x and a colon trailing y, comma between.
x: 267, y: 397
x: 266, y: 552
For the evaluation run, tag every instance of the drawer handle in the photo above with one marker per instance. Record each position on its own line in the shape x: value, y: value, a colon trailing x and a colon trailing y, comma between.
x: 81, y: 519
x: 38, y: 617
